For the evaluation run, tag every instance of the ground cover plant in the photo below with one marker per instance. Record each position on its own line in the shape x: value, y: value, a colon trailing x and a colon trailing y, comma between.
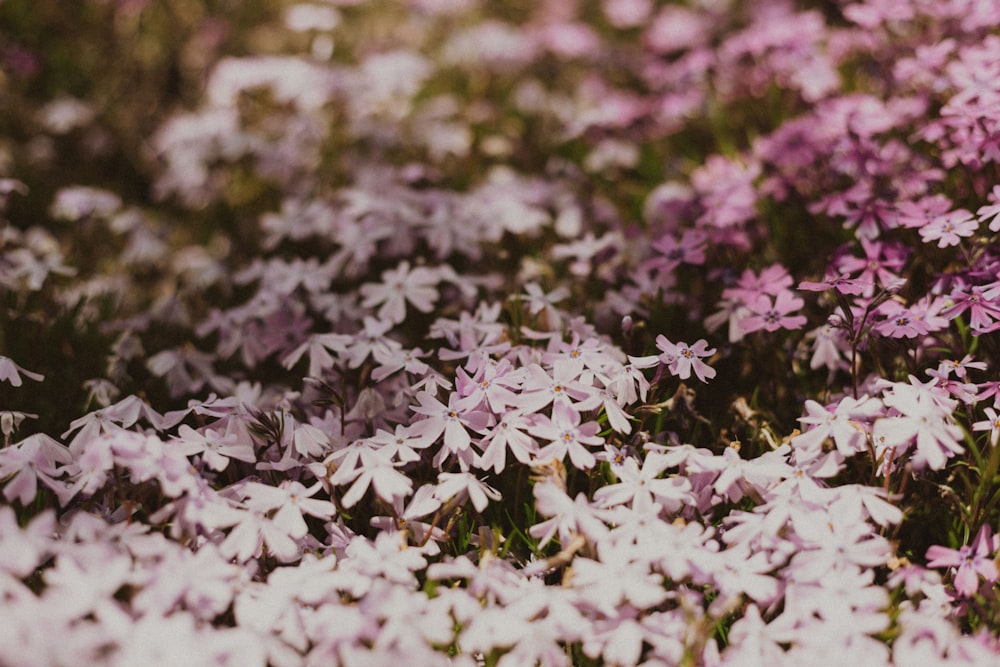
x: 465, y: 332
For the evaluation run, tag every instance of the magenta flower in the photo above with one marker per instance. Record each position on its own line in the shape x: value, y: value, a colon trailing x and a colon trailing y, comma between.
x: 880, y: 265
x: 973, y: 561
x: 900, y: 322
x: 982, y: 302
x: 772, y: 280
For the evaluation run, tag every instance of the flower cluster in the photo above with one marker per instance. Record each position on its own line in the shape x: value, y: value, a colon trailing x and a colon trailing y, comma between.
x: 491, y: 333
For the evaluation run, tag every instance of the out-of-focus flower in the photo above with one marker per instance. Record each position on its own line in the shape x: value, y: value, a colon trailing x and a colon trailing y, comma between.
x: 81, y: 202
x: 11, y: 372
x: 971, y: 560
x: 773, y: 315
x: 991, y: 212
x: 400, y: 286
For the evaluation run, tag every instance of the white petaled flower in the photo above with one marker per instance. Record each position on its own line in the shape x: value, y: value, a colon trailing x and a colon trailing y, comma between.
x: 400, y: 286
x: 682, y: 358
x: 11, y: 372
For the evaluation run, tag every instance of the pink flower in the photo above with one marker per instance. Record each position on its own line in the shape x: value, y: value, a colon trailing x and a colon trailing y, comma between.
x: 689, y: 249
x: 492, y: 387
x: 682, y: 358
x: 831, y: 542
x: 772, y: 280
x: 960, y: 367
x: 292, y: 500
x: 400, y: 286
x: 618, y: 419
x: 879, y: 266
x: 401, y: 445
x: 543, y: 305
x: 596, y: 355
x: 842, y: 283
x: 562, y: 386
x: 991, y: 424
x: 829, y: 347
x: 459, y: 486
x: 248, y: 537
x: 216, y: 449
x: 318, y: 347
x: 900, y: 322
x: 37, y: 457
x: 844, y: 424
x: 451, y: 421
x: 921, y: 417
x: 493, y: 628
x: 566, y: 435
x: 381, y: 474
x: 405, y: 519
x: 568, y: 517
x: 641, y: 487
x: 773, y: 316
x: 509, y: 434
x: 371, y: 340
x: 394, y: 359
x: 991, y: 212
x: 949, y: 229
x: 387, y: 557
x: 22, y: 550
x: 973, y: 561
x: 982, y: 302
x: 615, y: 579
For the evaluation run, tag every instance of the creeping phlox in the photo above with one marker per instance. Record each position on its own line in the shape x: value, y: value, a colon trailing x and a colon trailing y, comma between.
x: 492, y: 333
